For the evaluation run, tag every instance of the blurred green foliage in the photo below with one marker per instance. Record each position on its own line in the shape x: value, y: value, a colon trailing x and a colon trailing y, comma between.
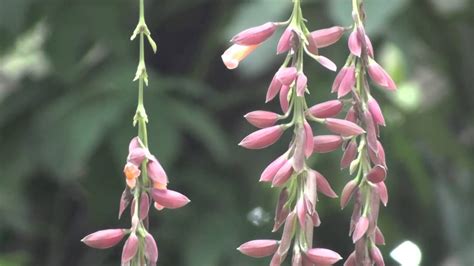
x: 67, y: 102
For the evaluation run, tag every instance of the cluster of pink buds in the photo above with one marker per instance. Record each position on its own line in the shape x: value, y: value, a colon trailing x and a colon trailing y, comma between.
x: 145, y: 179
x: 364, y: 154
x: 299, y: 184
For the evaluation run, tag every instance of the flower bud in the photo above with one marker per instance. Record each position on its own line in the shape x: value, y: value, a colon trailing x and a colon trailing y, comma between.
x: 377, y: 174
x: 376, y: 256
x: 282, y: 210
x: 347, y: 82
x: 255, y: 35
x: 287, y: 236
x: 125, y: 199
x: 156, y: 172
x: 380, y: 76
x: 354, y: 43
x: 326, y: 109
x: 349, y: 154
x: 328, y: 36
x: 104, y: 239
x: 351, y: 115
x: 262, y: 138
x: 383, y: 193
x: 371, y: 131
x: 286, y: 75
x: 130, y: 248
x: 144, y: 205
x: 262, y: 119
x: 269, y: 173
x: 308, y: 144
x: 284, y: 44
x: 151, y: 250
x: 259, y: 248
x: 326, y: 62
x: 351, y: 260
x: 326, y: 143
x: 301, y: 84
x: 283, y: 174
x: 323, y: 185
x: 273, y: 89
x: 323, y: 256
x: 347, y: 192
x: 301, y: 212
x: 236, y: 53
x: 360, y: 228
x: 168, y: 198
x: 343, y: 127
x: 379, y: 238
x: 137, y: 155
x: 338, y: 79
x: 284, y: 101
x: 376, y: 112
x: 134, y: 144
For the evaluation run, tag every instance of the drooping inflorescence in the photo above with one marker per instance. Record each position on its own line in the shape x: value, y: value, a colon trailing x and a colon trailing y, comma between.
x: 298, y: 183
x: 146, y: 180
x: 363, y: 155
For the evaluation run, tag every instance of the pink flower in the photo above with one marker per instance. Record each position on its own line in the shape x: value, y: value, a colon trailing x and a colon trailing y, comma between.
x: 284, y: 102
x: 380, y: 76
x: 328, y: 36
x: 323, y: 256
x: 269, y: 173
x: 349, y: 154
x: 282, y: 210
x: 308, y: 143
x: 259, y: 248
x: 168, y: 198
x: 301, y: 84
x: 326, y: 62
x: 236, y: 53
x: 343, y: 127
x: 383, y: 193
x: 130, y: 248
x: 156, y: 171
x: 360, y: 228
x: 262, y: 119
x: 354, y: 43
x: 379, y: 238
x: 104, y: 238
x: 137, y: 155
x: 323, y: 185
x: 347, y: 82
x: 255, y: 35
x: 284, y: 44
x: 377, y: 174
x: 376, y: 112
x: 262, y: 138
x: 283, y: 174
x: 326, y: 143
x: 347, y: 192
x: 326, y: 109
x: 286, y: 75
x: 377, y: 256
x: 338, y: 79
x: 151, y: 250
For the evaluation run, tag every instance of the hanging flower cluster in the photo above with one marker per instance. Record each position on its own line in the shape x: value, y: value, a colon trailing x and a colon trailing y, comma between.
x: 145, y: 179
x: 299, y: 184
x: 364, y: 154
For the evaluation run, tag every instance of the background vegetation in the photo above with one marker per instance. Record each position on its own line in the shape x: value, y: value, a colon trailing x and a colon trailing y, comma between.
x: 67, y: 101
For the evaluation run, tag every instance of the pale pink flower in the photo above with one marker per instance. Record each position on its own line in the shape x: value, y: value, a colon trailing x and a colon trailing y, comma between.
x: 349, y: 154
x: 262, y: 119
x: 360, y: 228
x: 151, y: 250
x: 156, y: 172
x: 379, y: 238
x: 284, y: 102
x: 326, y: 143
x: 326, y: 109
x: 377, y: 174
x: 338, y: 79
x: 347, y: 82
x: 262, y: 138
x: 284, y: 44
x: 376, y: 112
x: 130, y: 248
x: 354, y: 43
x: 383, y: 193
x: 343, y: 127
x: 168, y: 198
x: 323, y: 185
x: 283, y: 174
x: 301, y: 83
x: 347, y: 192
x: 308, y: 143
x: 380, y: 76
x: 286, y: 75
x: 376, y: 256
x: 323, y: 256
x: 326, y: 62
x: 259, y: 248
x: 255, y: 35
x: 236, y: 53
x: 270, y: 171
x: 104, y: 238
x: 328, y: 36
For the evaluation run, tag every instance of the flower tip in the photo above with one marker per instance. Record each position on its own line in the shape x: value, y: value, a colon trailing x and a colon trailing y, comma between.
x: 229, y: 62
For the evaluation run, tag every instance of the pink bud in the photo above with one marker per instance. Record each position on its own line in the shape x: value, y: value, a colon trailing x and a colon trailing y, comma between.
x: 380, y: 76
x: 347, y: 192
x: 284, y: 43
x: 273, y: 89
x: 354, y: 43
x: 262, y: 119
x: 137, y: 155
x: 151, y: 250
x: 301, y: 84
x: 236, y: 53
x: 328, y: 36
x: 351, y: 260
x: 283, y: 174
x: 376, y: 112
x: 169, y: 199
x: 269, y: 173
x: 360, y: 228
x: 371, y: 131
x: 338, y: 79
x: 379, y: 238
x: 262, y: 138
x: 370, y: 48
x: 259, y: 248
x: 276, y: 259
x: 286, y: 75
x: 383, y: 193
x: 376, y: 256
x: 134, y: 144
x: 287, y: 236
x: 104, y: 238
x: 326, y: 62
x: 125, y: 199
x: 156, y: 171
x: 349, y: 154
x: 284, y: 101
x: 312, y: 45
x: 351, y: 115
x: 324, y: 186
x: 377, y: 174
x: 308, y: 144
x: 255, y: 35
x: 326, y: 109
x: 301, y: 212
x: 323, y: 256
x: 347, y: 82
x: 379, y: 157
x: 299, y: 149
x: 343, y: 127
x: 282, y: 210
x: 130, y: 248
x: 326, y: 143
x: 144, y: 205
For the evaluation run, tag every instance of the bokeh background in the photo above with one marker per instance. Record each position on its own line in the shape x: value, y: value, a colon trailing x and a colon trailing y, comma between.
x: 67, y: 102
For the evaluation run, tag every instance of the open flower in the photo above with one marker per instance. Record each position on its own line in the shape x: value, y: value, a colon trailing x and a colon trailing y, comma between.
x: 236, y: 53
